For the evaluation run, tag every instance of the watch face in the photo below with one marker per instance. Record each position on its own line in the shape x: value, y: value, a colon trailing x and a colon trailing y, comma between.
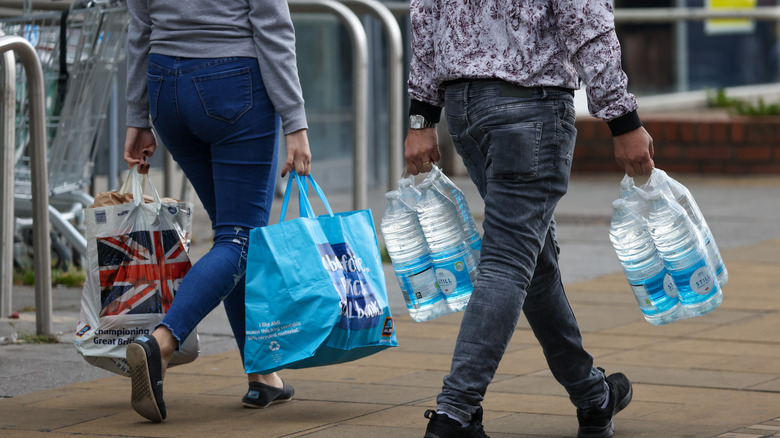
x: 416, y: 121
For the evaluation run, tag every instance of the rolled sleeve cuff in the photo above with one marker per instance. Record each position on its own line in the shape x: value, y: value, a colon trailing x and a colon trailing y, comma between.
x: 624, y: 123
x: 138, y: 116
x: 432, y: 113
x: 293, y: 119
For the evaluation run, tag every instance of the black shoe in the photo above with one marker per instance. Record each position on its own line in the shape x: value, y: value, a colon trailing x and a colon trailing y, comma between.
x: 442, y: 426
x: 145, y: 361
x: 596, y: 422
x: 261, y: 395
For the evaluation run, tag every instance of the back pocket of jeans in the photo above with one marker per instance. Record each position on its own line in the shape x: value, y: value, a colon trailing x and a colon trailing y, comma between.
x: 225, y: 95
x: 153, y: 86
x: 514, y: 150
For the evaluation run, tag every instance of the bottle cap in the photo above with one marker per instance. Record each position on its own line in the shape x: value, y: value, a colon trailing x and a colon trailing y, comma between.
x: 619, y: 203
x: 392, y: 194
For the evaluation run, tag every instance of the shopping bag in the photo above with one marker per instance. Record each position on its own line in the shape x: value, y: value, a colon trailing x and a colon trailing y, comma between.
x: 136, y: 258
x: 315, y: 289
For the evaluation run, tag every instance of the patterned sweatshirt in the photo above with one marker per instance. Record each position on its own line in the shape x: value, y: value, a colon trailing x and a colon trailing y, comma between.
x: 531, y: 43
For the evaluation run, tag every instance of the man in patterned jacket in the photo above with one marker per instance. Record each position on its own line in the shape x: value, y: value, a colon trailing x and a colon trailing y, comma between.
x: 505, y: 72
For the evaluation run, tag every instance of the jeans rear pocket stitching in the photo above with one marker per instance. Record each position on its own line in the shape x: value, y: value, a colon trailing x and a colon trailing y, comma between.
x: 223, y: 75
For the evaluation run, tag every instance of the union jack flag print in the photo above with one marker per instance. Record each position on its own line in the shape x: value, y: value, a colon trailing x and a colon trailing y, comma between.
x: 140, y: 272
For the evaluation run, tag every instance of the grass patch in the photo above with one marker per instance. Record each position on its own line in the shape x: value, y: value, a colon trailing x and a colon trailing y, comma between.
x: 27, y: 338
x: 70, y: 278
x: 718, y: 99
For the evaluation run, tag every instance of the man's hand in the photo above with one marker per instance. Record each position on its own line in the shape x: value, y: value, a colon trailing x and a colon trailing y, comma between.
x: 634, y: 152
x: 140, y: 144
x: 421, y: 150
x: 298, y: 153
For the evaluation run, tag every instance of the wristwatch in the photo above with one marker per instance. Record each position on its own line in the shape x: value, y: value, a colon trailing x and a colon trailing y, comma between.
x: 417, y: 121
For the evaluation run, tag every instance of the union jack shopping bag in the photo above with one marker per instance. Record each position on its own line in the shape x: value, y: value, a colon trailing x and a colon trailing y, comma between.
x: 136, y: 258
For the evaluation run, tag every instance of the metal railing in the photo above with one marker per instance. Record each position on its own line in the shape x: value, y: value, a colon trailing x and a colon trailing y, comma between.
x: 395, y: 65
x: 40, y: 179
x: 359, y: 86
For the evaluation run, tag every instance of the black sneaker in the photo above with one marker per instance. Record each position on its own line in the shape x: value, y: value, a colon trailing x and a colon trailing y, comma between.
x: 143, y: 356
x: 261, y: 395
x: 596, y: 422
x: 442, y: 426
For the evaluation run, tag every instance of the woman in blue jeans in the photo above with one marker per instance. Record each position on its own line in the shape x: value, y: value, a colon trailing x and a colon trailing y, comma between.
x: 217, y: 80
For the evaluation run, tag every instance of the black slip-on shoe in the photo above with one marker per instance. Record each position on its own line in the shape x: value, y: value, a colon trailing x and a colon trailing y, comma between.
x: 261, y: 395
x: 596, y: 422
x: 442, y: 426
x: 143, y: 356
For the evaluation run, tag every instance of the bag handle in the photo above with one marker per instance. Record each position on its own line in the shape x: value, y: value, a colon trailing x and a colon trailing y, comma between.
x: 304, y: 205
x: 135, y: 184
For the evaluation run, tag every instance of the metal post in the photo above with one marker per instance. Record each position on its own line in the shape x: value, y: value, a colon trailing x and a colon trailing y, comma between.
x: 113, y: 141
x: 395, y: 89
x: 40, y: 179
x: 360, y: 88
x: 681, y: 27
x: 7, y: 183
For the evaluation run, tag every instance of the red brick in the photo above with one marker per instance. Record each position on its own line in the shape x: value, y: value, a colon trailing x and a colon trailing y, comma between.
x: 735, y: 169
x: 737, y: 131
x: 668, y: 150
x: 704, y: 132
x: 716, y: 152
x: 698, y: 152
x: 769, y: 168
x: 586, y: 128
x: 603, y: 132
x: 653, y: 128
x: 685, y: 167
x: 687, y: 132
x: 720, y: 132
x: 753, y: 153
x: 670, y: 131
x: 710, y: 168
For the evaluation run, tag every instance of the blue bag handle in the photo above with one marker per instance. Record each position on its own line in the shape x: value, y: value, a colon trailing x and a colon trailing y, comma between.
x: 304, y: 205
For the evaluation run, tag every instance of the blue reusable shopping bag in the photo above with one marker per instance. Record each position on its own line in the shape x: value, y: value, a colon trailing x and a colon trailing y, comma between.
x: 315, y: 289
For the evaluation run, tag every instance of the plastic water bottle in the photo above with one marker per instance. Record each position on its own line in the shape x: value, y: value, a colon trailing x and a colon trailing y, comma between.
x: 643, y: 265
x: 452, y: 259
x: 684, y: 256
x: 443, y: 184
x: 412, y: 263
x: 685, y: 199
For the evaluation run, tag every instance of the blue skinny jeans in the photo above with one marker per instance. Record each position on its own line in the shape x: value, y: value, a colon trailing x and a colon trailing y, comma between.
x: 517, y: 145
x: 215, y: 118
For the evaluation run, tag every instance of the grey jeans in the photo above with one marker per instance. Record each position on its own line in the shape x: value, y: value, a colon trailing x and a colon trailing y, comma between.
x: 517, y: 144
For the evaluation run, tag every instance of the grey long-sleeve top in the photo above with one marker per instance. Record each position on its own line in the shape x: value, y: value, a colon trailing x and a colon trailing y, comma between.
x: 259, y: 29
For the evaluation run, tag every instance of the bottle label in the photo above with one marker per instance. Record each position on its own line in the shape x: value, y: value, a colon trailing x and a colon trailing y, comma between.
x: 669, y: 286
x: 453, y: 275
x: 418, y: 283
x: 702, y: 281
x: 643, y: 299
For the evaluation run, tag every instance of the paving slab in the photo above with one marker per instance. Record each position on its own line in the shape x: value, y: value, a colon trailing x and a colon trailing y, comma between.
x: 715, y: 376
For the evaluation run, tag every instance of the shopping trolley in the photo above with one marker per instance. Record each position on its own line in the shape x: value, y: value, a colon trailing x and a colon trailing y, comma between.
x: 80, y: 49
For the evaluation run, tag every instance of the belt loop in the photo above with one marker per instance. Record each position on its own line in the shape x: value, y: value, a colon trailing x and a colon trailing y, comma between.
x: 544, y: 93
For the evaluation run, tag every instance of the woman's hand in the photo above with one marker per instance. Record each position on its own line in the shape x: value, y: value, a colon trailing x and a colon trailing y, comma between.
x: 140, y: 144
x: 298, y: 153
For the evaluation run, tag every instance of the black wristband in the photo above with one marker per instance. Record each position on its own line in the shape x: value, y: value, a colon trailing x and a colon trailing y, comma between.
x: 432, y: 113
x: 624, y: 123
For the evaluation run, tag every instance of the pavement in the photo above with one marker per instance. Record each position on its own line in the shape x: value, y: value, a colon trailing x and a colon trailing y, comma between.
x: 712, y: 376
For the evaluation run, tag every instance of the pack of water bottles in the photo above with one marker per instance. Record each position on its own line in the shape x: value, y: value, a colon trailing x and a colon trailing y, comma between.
x: 433, y: 243
x: 667, y: 250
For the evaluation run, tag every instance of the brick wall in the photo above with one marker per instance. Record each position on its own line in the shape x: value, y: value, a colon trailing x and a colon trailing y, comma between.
x: 689, y: 144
